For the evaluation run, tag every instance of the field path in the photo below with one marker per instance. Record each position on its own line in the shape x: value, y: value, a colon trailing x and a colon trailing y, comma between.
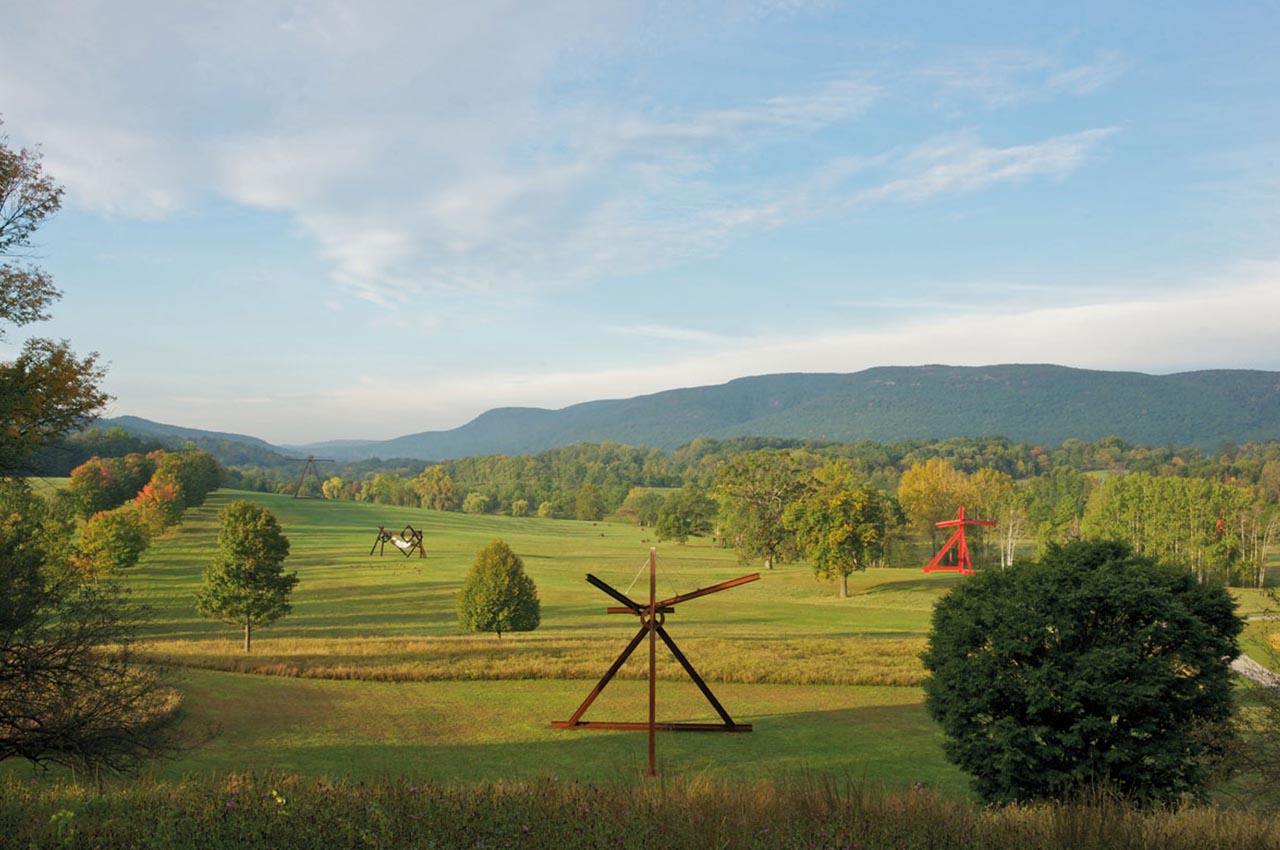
x: 1252, y: 670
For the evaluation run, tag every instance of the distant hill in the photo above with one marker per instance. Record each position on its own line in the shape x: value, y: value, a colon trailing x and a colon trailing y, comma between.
x: 1027, y: 403
x: 171, y: 433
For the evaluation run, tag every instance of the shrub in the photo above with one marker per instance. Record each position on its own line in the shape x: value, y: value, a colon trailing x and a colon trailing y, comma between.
x: 497, y: 595
x: 111, y: 541
x: 476, y: 503
x: 1095, y: 668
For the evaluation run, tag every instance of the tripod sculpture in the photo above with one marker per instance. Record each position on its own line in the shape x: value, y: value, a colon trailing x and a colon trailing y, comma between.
x: 962, y: 563
x: 652, y: 617
x: 309, y: 466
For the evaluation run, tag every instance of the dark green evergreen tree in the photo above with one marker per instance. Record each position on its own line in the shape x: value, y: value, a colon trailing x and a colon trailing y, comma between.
x: 1092, y: 669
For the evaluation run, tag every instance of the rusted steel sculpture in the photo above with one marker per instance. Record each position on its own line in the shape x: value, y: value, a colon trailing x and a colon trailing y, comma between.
x: 961, y: 563
x: 309, y: 466
x: 652, y: 617
x: 407, y: 541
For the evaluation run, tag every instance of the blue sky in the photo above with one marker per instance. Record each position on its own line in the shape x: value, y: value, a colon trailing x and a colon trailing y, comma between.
x: 311, y: 221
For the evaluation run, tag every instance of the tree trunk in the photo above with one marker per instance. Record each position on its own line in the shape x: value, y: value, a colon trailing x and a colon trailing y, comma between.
x: 844, y: 586
x: 768, y: 562
x: 248, y: 628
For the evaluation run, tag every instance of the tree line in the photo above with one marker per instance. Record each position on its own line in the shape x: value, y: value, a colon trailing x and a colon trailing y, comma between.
x: 738, y: 491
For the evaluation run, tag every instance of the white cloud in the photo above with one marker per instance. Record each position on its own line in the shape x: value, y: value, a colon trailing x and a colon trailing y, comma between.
x: 467, y: 147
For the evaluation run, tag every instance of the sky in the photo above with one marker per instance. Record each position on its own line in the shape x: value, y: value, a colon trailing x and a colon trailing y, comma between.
x: 314, y: 221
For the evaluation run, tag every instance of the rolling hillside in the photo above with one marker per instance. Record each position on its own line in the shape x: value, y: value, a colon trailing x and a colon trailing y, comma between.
x: 1032, y: 403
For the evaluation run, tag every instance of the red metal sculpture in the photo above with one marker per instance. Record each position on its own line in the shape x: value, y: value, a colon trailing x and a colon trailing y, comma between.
x: 652, y: 617
x: 961, y: 563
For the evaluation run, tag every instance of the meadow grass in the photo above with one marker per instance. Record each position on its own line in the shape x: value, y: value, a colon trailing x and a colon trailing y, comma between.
x: 386, y: 617
x: 370, y: 676
x: 497, y: 730
x: 286, y: 812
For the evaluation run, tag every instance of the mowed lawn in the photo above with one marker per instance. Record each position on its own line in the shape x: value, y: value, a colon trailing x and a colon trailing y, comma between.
x: 371, y: 676
x: 388, y: 617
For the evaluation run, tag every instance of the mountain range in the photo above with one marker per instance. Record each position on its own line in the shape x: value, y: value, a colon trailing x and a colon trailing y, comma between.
x: 1040, y: 403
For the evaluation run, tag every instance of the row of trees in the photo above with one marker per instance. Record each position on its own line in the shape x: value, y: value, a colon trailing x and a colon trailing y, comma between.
x: 555, y: 476
x: 1213, y: 529
x: 128, y: 501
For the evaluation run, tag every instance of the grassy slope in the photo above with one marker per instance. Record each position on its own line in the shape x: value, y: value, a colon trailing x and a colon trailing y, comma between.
x: 391, y: 618
x: 370, y: 617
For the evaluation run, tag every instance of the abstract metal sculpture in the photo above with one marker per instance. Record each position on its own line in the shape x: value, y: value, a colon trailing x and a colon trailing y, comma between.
x: 408, y: 540
x: 309, y: 466
x: 961, y: 564
x: 652, y: 617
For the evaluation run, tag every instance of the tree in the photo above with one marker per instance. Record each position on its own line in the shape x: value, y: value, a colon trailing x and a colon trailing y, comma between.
x: 245, y: 584
x: 930, y: 492
x: 991, y: 491
x: 159, y: 506
x: 196, y: 474
x: 588, y: 504
x: 477, y: 503
x: 497, y: 595
x: 685, y: 513
x: 641, y: 506
x: 46, y: 392
x: 437, y: 490
x: 840, y: 527
x: 334, y: 488
x: 112, y: 541
x: 70, y: 692
x: 1093, y: 668
x: 754, y: 491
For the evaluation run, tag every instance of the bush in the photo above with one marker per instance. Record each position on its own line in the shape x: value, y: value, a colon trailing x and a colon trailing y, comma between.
x: 112, y: 541
x: 476, y: 503
x: 1095, y: 668
x: 497, y: 595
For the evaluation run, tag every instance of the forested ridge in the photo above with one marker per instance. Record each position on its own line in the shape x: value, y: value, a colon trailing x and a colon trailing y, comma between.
x: 1035, y: 403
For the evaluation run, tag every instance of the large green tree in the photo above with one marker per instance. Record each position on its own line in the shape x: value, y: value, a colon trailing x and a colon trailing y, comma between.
x: 930, y: 492
x: 841, y: 526
x: 685, y: 513
x: 245, y: 584
x: 497, y: 594
x: 754, y: 491
x: 1092, y: 669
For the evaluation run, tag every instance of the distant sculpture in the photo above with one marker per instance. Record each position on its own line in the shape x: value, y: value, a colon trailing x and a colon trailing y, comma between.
x: 407, y: 541
x: 960, y: 559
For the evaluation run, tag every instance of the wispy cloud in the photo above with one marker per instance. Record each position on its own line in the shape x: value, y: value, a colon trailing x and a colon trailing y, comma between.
x: 673, y: 333
x: 428, y: 148
x: 965, y: 165
x: 996, y: 78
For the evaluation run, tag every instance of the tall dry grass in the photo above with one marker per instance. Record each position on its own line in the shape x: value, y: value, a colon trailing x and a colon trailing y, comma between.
x: 286, y: 812
x: 830, y: 661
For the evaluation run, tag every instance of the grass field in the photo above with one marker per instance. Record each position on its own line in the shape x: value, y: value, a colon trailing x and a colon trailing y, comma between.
x: 370, y: 675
